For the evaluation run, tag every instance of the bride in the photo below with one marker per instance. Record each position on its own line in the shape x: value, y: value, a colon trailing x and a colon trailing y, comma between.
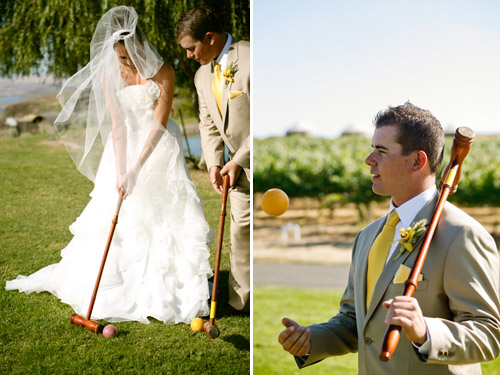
x: 115, y: 125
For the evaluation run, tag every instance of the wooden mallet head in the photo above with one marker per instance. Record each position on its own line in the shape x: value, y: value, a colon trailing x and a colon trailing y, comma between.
x: 460, y: 147
x: 211, y: 329
x: 87, y: 323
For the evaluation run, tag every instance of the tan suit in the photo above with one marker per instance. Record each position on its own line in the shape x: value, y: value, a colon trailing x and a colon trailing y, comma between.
x: 458, y: 297
x: 231, y: 128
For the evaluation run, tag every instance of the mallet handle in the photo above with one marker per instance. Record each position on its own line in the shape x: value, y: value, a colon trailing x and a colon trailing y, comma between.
x: 105, y: 255
x: 449, y: 181
x: 220, y: 237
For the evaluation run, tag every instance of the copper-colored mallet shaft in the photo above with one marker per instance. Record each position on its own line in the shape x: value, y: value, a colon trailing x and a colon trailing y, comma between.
x: 86, y: 322
x: 209, y: 327
x: 448, y: 185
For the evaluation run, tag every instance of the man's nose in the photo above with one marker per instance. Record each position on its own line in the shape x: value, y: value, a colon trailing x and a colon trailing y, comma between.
x: 369, y: 160
x: 190, y: 54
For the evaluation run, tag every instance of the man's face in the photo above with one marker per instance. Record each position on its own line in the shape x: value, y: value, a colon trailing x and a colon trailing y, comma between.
x: 199, y: 50
x: 389, y: 168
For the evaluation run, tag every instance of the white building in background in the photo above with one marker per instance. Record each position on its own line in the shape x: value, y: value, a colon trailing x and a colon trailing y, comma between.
x: 300, y: 128
x: 358, y: 129
x: 450, y: 129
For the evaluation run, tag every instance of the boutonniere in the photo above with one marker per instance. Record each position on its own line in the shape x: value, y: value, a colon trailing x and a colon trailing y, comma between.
x: 229, y: 72
x: 410, y: 236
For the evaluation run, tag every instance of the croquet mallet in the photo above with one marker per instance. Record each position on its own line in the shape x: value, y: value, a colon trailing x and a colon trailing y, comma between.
x: 86, y: 322
x: 448, y: 185
x: 209, y: 327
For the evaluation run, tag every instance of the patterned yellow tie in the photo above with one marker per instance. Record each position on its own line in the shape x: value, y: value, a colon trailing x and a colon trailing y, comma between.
x: 378, y: 254
x: 217, y: 86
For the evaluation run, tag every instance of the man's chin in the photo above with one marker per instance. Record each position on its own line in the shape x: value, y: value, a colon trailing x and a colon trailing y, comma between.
x: 379, y: 191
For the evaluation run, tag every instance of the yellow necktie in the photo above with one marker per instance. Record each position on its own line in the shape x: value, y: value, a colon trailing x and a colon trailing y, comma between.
x: 378, y: 254
x: 217, y: 86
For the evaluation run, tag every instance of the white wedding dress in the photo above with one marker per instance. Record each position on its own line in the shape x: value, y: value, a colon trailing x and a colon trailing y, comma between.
x: 158, y: 261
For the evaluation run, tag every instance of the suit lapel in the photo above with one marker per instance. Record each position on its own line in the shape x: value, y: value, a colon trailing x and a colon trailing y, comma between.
x: 364, y: 259
x: 393, y: 265
x: 232, y: 57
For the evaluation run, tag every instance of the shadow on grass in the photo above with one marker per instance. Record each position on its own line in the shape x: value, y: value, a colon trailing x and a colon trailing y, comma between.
x: 223, y: 307
x: 238, y: 341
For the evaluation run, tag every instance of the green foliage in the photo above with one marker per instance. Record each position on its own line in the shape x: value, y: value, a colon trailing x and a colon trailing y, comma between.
x: 480, y: 181
x: 43, y: 36
x: 42, y: 194
x: 53, y: 36
x: 334, y: 171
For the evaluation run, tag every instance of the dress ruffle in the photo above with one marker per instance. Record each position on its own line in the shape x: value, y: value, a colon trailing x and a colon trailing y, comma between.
x: 158, y: 263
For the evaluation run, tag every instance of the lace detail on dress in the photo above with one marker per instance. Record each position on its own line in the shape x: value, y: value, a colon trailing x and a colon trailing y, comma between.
x: 138, y: 103
x: 140, y: 96
x: 151, y: 93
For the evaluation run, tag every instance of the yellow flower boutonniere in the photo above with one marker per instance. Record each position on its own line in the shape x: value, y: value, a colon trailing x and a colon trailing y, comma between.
x: 229, y: 72
x: 410, y: 236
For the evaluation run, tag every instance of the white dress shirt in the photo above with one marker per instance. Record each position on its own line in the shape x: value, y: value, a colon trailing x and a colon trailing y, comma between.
x: 222, y: 58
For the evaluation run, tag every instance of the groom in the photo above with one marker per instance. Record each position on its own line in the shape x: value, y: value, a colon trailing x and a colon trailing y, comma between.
x: 223, y: 86
x: 452, y: 321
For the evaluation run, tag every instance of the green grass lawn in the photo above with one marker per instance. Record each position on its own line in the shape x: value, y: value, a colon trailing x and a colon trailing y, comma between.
x: 42, y: 193
x: 306, y: 306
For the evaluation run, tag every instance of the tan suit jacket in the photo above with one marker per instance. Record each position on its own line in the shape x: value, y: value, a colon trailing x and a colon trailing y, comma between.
x: 458, y: 297
x: 232, y: 127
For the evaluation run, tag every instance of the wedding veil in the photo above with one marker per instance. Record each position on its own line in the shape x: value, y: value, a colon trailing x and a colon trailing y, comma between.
x: 90, y: 106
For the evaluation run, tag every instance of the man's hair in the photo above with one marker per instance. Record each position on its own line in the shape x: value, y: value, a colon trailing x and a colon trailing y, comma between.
x: 196, y: 23
x: 418, y: 130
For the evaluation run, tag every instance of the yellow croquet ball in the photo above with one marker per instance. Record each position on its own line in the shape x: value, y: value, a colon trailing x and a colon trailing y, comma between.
x: 197, y: 324
x: 274, y: 202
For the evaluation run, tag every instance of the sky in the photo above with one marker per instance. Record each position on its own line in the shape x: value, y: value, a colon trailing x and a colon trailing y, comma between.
x: 326, y: 64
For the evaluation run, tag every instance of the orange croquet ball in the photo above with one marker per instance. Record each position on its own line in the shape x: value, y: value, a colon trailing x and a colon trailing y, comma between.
x: 197, y: 324
x: 274, y: 202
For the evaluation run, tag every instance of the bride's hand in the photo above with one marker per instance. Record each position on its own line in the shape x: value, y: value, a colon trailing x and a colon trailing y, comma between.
x: 119, y: 179
x: 129, y: 180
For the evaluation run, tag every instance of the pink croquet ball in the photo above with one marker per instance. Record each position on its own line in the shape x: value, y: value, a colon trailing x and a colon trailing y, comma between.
x: 109, y: 331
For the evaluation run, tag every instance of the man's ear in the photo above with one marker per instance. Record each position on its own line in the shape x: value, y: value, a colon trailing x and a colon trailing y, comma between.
x: 210, y: 37
x: 420, y: 160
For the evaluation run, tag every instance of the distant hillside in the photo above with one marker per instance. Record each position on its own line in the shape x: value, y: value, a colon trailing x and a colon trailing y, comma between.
x: 22, y: 89
x: 35, y: 96
x: 40, y: 106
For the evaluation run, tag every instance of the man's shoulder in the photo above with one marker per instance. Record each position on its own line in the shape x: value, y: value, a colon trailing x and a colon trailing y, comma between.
x: 455, y: 217
x: 243, y: 46
x: 241, y: 43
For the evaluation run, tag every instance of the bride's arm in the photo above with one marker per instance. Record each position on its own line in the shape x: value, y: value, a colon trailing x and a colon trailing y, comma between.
x: 165, y: 79
x: 119, y: 137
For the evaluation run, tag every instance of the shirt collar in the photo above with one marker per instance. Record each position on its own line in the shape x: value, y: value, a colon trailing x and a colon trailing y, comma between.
x: 408, y: 210
x: 222, y: 58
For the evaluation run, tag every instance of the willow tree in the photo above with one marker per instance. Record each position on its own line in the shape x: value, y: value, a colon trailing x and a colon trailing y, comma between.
x: 52, y: 37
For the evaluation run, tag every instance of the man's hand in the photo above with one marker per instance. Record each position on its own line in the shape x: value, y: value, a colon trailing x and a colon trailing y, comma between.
x: 405, y: 312
x: 216, y: 178
x: 233, y: 169
x: 295, y: 339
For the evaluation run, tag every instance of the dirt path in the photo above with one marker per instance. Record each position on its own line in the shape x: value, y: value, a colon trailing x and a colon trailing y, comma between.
x: 307, y: 233
x: 321, y: 276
